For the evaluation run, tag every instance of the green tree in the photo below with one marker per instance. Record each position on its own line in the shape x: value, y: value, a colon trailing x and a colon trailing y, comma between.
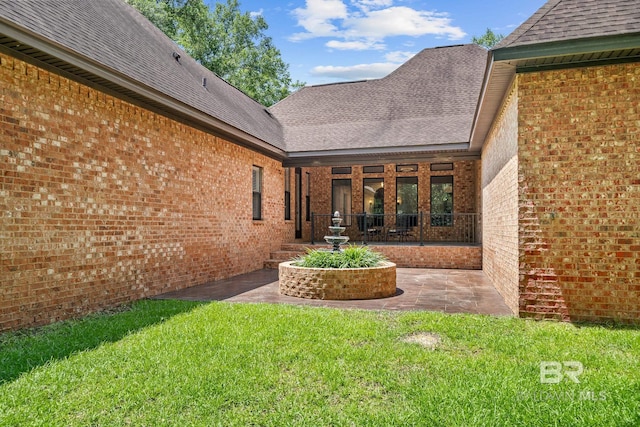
x: 489, y: 39
x: 228, y: 42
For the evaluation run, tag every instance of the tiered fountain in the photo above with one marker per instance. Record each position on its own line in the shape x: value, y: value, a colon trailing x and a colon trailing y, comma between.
x: 336, y: 239
x: 337, y: 283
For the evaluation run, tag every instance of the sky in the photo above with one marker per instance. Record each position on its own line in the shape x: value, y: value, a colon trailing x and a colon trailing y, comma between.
x: 328, y: 41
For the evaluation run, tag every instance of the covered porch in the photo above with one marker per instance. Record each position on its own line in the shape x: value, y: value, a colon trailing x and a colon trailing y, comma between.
x: 424, y: 214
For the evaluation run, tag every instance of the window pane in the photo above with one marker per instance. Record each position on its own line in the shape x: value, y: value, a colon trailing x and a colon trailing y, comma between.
x: 308, y: 198
x: 257, y: 206
x: 441, y: 166
x: 287, y: 205
x: 373, y: 191
x: 256, y: 177
x: 373, y: 169
x: 406, y: 168
x: 287, y: 179
x: 441, y: 201
x: 341, y: 198
x: 407, y: 195
x: 287, y: 193
x: 345, y: 170
x: 407, y: 201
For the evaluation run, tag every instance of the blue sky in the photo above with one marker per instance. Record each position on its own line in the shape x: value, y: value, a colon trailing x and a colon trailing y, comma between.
x: 326, y: 41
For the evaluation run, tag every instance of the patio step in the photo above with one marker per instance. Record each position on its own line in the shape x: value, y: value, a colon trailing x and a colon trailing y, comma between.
x: 287, y: 252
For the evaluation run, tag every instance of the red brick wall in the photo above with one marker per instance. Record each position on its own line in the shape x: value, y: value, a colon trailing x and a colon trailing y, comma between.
x: 102, y: 202
x: 579, y: 185
x: 500, y: 203
x: 433, y: 256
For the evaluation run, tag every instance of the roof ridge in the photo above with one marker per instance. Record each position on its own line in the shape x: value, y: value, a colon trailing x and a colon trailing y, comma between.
x: 528, y: 24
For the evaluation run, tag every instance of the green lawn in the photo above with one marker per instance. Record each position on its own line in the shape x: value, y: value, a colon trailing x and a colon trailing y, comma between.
x: 178, y: 364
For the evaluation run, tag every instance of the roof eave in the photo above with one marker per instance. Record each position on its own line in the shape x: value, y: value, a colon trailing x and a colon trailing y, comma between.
x: 567, y: 47
x: 505, y: 62
x: 203, y: 120
x: 370, y: 156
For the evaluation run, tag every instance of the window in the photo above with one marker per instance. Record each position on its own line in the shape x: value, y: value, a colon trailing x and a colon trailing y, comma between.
x: 345, y: 170
x: 442, y: 201
x: 373, y: 191
x: 373, y: 200
x: 307, y: 197
x: 341, y: 198
x: 441, y: 166
x: 287, y: 193
x: 406, y: 168
x: 256, y: 176
x: 373, y: 169
x: 407, y: 201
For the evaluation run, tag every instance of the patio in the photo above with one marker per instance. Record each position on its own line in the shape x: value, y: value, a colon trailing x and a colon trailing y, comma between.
x: 449, y: 291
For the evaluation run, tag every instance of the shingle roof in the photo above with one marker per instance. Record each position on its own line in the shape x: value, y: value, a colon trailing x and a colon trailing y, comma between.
x: 430, y: 100
x: 116, y: 36
x: 560, y: 20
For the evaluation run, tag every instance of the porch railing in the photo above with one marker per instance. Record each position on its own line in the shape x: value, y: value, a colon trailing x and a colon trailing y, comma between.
x: 421, y: 228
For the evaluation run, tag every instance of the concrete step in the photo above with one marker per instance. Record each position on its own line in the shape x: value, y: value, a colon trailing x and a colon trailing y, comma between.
x: 285, y: 255
x: 287, y: 252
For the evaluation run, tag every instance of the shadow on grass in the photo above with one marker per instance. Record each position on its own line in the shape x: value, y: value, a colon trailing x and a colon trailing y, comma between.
x: 609, y: 325
x: 24, y: 350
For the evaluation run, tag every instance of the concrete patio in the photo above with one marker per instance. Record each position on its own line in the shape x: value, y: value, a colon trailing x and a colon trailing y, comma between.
x: 449, y: 291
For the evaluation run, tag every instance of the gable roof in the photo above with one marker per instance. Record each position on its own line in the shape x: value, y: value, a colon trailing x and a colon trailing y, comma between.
x: 561, y: 34
x: 427, y: 104
x: 561, y: 20
x: 109, y: 44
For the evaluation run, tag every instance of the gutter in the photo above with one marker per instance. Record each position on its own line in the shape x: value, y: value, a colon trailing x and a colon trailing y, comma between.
x: 570, y: 47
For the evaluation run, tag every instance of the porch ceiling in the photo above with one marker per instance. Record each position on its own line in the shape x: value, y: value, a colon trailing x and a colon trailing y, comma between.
x: 374, y: 156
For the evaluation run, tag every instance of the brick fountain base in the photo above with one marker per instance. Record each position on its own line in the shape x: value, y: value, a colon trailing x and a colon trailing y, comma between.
x: 338, y: 283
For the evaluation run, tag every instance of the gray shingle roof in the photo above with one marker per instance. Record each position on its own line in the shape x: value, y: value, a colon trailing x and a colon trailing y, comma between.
x: 115, y: 35
x: 430, y: 100
x: 560, y: 20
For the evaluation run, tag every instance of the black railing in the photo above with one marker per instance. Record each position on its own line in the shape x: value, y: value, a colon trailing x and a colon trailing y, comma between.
x: 419, y: 228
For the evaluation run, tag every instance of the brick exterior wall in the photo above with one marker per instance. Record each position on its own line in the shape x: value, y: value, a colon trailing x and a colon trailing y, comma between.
x: 579, y: 186
x: 500, y: 203
x: 103, y: 202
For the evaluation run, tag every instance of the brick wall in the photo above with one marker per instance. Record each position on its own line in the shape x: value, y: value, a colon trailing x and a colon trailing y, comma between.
x: 102, y: 202
x: 461, y: 257
x: 579, y: 185
x: 500, y: 203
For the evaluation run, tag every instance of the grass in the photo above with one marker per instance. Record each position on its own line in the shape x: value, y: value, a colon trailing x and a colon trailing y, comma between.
x: 350, y: 257
x: 277, y: 365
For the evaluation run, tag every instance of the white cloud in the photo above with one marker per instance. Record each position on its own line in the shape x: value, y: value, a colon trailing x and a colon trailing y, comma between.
x: 355, y: 45
x: 317, y: 18
x: 399, y: 56
x: 256, y: 13
x: 371, y: 4
x: 355, y: 72
x: 371, y: 24
x: 403, y: 21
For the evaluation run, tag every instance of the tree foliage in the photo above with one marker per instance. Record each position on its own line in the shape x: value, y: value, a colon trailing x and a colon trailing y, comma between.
x: 489, y: 39
x: 228, y: 42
